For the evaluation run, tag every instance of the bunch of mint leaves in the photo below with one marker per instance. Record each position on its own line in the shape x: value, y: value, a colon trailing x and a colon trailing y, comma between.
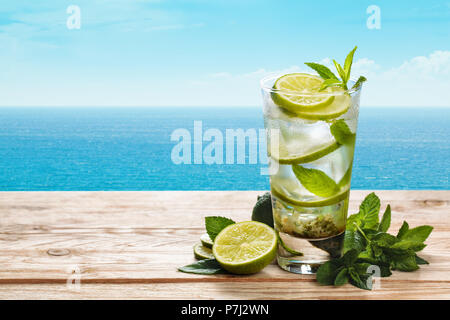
x: 330, y: 79
x: 367, y: 243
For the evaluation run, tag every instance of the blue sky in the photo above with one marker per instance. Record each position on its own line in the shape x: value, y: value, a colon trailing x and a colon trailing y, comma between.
x: 206, y: 52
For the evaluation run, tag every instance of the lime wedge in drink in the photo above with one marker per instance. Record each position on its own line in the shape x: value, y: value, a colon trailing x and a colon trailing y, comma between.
x: 201, y: 252
x: 300, y: 94
x: 314, y: 203
x: 290, y: 190
x: 206, y: 240
x: 285, y: 157
x: 245, y: 247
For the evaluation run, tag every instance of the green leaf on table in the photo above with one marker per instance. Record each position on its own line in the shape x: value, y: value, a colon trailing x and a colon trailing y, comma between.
x: 322, y: 70
x: 405, y: 261
x: 420, y: 260
x: 215, y: 224
x: 358, y: 280
x: 367, y: 217
x: 315, y: 181
x: 341, y: 278
x: 207, y: 266
x: 385, y: 222
x: 353, y: 240
x: 326, y: 274
x: 418, y: 234
x: 341, y: 132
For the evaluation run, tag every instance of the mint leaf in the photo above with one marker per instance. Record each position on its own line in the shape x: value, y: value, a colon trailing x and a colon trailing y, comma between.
x: 367, y: 217
x: 341, y: 132
x: 349, y: 257
x: 353, y: 240
x: 322, y: 70
x: 404, y: 262
x: 407, y: 244
x: 329, y: 83
x: 403, y: 229
x: 420, y: 260
x: 417, y: 234
x: 341, y: 278
x: 359, y: 82
x: 357, y: 280
x: 341, y: 72
x: 315, y: 181
x: 348, y: 64
x: 326, y: 274
x: 207, y: 266
x: 386, y: 220
x: 215, y: 224
x: 344, y: 73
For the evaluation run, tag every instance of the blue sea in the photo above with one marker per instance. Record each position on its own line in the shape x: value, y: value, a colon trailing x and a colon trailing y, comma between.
x: 130, y: 149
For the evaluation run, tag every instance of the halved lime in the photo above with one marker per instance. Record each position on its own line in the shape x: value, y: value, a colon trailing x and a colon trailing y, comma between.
x: 206, y: 241
x: 245, y: 247
x: 341, y: 195
x: 201, y: 252
x: 300, y: 94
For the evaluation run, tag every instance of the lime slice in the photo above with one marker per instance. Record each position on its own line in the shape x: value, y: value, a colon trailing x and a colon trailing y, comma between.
x: 201, y: 252
x: 206, y: 241
x: 341, y: 195
x: 340, y: 105
x: 299, y: 93
x: 284, y: 157
x: 245, y: 247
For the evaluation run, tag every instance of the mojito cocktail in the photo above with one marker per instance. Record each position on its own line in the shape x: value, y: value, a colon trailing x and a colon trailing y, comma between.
x: 311, y: 131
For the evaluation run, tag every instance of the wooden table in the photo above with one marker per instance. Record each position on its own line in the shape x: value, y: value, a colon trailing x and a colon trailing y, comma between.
x: 129, y: 244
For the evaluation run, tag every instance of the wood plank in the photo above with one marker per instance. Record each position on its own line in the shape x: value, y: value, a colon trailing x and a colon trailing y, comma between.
x: 296, y: 290
x: 140, y: 238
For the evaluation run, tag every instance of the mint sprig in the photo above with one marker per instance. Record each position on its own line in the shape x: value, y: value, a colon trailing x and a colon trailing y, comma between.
x: 367, y: 243
x: 330, y: 79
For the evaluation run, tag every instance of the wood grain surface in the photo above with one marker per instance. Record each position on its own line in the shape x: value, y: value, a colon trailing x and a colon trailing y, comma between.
x: 122, y: 245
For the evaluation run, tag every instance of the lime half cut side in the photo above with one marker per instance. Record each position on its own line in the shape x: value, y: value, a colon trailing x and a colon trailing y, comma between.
x: 245, y: 247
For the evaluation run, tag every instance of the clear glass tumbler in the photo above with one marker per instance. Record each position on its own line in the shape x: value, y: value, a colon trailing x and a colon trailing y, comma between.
x: 310, y: 153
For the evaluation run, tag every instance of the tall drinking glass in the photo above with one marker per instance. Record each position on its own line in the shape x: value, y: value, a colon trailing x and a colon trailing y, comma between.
x: 310, y: 149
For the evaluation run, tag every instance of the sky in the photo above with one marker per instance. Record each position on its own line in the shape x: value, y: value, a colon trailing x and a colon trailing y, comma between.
x: 214, y: 52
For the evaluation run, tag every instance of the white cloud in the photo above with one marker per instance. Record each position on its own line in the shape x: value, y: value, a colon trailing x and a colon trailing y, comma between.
x: 419, y: 81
